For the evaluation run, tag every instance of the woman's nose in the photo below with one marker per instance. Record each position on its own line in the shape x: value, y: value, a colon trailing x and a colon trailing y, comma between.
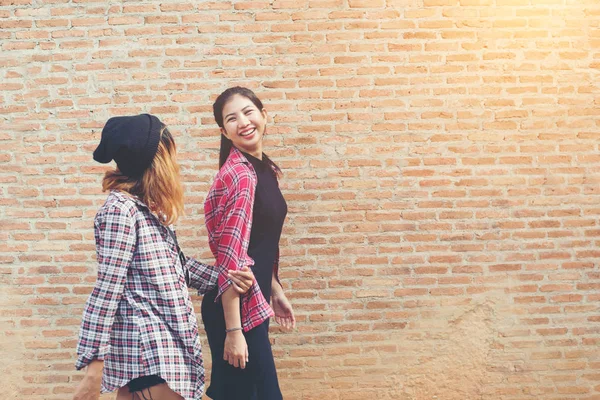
x: 243, y: 121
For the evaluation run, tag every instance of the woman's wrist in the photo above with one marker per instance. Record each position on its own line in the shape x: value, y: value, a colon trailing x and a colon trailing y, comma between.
x: 95, y: 368
x: 276, y: 289
x: 277, y: 294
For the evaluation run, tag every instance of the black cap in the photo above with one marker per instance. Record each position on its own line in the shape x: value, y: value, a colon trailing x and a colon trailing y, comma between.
x: 131, y: 141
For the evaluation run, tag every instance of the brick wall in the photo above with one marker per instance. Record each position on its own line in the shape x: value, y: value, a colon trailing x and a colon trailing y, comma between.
x: 442, y: 170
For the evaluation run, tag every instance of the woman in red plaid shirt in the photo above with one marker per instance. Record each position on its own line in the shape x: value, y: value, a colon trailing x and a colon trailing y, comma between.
x: 139, y: 333
x: 244, y: 214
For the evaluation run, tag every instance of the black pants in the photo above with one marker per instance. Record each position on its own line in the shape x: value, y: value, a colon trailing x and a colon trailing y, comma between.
x: 258, y: 381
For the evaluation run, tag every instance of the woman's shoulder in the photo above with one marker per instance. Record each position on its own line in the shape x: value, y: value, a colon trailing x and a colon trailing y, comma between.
x: 233, y: 174
x: 118, y: 203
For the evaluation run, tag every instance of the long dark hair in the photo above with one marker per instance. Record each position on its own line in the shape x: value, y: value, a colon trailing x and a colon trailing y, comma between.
x: 218, y: 106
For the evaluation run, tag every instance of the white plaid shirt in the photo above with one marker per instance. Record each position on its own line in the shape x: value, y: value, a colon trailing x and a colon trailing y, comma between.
x: 139, y: 318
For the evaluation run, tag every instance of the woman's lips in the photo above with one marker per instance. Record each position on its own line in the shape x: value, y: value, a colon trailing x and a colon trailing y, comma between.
x: 248, y: 133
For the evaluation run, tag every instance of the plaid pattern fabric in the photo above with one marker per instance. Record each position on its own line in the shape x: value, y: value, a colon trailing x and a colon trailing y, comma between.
x: 139, y: 318
x: 228, y: 215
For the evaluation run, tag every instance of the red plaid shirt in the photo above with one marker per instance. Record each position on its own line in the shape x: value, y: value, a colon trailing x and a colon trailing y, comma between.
x: 228, y: 214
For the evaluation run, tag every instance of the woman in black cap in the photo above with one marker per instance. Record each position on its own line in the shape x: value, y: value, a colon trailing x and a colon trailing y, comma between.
x: 139, y: 333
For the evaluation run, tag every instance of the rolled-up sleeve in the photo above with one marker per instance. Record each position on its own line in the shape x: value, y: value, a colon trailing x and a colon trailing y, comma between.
x: 116, y: 239
x: 232, y: 247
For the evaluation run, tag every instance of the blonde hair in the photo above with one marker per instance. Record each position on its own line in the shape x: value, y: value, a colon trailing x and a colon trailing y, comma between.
x: 160, y: 185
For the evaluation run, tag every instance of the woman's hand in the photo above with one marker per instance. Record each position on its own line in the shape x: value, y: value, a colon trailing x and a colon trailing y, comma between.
x: 236, y: 349
x: 242, y: 279
x: 89, y: 387
x: 284, y: 313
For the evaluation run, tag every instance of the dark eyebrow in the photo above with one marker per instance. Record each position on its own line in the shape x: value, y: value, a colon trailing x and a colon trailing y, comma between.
x: 234, y: 113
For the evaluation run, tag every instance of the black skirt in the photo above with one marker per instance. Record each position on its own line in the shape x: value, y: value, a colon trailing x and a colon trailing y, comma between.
x: 258, y: 381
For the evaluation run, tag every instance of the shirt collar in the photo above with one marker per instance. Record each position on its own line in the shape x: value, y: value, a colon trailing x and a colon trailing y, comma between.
x: 236, y: 156
x: 126, y: 196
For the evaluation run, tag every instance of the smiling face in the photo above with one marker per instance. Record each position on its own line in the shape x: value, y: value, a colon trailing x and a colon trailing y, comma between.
x: 244, y: 124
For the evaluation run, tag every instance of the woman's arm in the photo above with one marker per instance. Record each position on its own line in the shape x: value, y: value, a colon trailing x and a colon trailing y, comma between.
x: 236, y: 349
x: 232, y: 246
x: 276, y: 288
x: 205, y: 277
x: 89, y: 387
x: 115, y: 233
x: 232, y: 255
x: 202, y: 277
x: 284, y: 313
